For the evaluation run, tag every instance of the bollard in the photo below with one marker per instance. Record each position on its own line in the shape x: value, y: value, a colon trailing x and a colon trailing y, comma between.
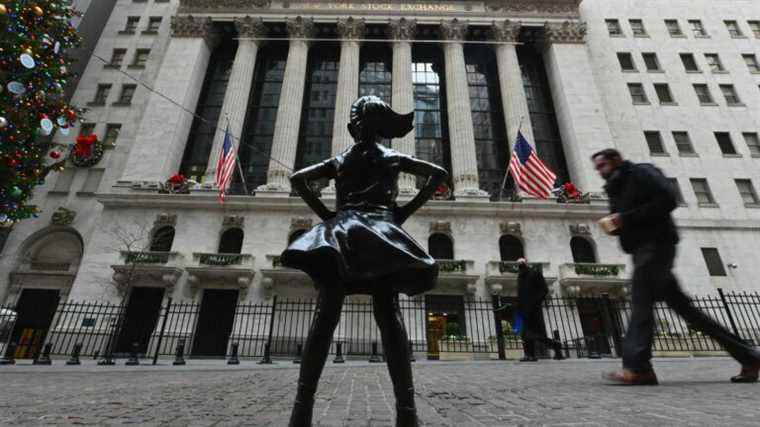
x: 233, y: 360
x: 179, y: 354
x: 411, y: 353
x: 339, y: 353
x: 299, y: 352
x: 10, y: 354
x: 375, y: 358
x: 44, y: 358
x: 133, y: 359
x: 593, y: 348
x: 74, y: 359
x: 557, y: 346
x: 267, y: 359
x: 95, y: 355
x: 107, y: 359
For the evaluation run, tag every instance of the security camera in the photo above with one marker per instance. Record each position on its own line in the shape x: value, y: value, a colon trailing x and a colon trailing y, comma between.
x: 733, y: 265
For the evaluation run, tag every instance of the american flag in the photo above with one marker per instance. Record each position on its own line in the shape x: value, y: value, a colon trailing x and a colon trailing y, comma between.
x: 225, y: 167
x: 529, y: 172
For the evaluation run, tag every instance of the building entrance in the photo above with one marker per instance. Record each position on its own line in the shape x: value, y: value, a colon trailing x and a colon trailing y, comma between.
x: 601, y: 332
x: 36, y: 308
x: 215, y: 320
x: 445, y: 322
x: 140, y: 319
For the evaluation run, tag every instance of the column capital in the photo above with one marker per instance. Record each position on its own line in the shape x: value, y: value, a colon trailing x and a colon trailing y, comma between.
x: 191, y: 27
x: 301, y: 28
x: 506, y: 31
x: 454, y: 29
x: 565, y: 33
x: 248, y: 27
x: 350, y: 28
x: 402, y: 29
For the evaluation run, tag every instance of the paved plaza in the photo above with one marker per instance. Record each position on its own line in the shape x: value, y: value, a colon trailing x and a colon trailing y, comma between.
x: 205, y: 393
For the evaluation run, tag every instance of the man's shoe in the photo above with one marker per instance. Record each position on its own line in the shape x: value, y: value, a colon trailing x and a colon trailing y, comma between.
x: 628, y: 377
x: 529, y: 359
x: 749, y: 374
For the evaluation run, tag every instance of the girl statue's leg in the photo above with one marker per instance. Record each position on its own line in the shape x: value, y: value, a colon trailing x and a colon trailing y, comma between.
x: 396, y: 350
x: 315, y: 351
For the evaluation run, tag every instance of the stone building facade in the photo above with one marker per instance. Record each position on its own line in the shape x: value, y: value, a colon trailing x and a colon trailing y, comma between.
x: 675, y: 83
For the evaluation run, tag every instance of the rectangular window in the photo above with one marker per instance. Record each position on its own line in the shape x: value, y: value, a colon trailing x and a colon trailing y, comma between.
x: 117, y: 58
x: 626, y: 61
x: 674, y: 28
x: 677, y: 191
x: 638, y: 94
x: 63, y: 182
x: 702, y: 191
x: 141, y: 57
x: 127, y: 93
x: 725, y: 143
x: 697, y: 28
x: 614, y: 28
x: 714, y: 63
x: 753, y: 143
x: 689, y: 63
x: 755, y: 27
x: 747, y: 192
x: 729, y: 92
x: 101, y: 94
x: 704, y: 95
x: 92, y: 181
x: 683, y: 143
x: 131, y: 25
x: 752, y: 64
x: 651, y: 61
x: 637, y: 27
x: 654, y: 141
x: 713, y: 262
x: 112, y: 133
x: 663, y: 93
x: 154, y: 23
x: 733, y: 29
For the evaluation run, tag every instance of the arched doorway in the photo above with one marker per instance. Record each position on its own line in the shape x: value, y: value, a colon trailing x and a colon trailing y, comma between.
x: 231, y: 241
x: 583, y: 250
x: 510, y: 248
x: 440, y: 246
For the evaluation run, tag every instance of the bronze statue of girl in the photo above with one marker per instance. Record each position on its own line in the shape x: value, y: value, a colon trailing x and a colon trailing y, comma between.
x: 361, y: 249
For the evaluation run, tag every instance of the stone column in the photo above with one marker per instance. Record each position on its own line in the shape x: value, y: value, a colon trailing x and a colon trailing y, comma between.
x: 163, y: 132
x: 351, y: 31
x: 513, y: 99
x: 577, y: 101
x: 285, y: 140
x: 402, y: 32
x: 238, y: 88
x: 464, y: 163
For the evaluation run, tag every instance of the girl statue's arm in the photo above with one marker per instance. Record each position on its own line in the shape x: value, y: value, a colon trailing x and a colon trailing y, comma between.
x: 300, y: 183
x: 436, y: 176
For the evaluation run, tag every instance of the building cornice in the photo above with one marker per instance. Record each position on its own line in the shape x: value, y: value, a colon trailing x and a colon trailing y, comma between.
x: 506, y: 31
x: 350, y: 28
x: 248, y: 27
x: 565, y: 33
x: 194, y: 27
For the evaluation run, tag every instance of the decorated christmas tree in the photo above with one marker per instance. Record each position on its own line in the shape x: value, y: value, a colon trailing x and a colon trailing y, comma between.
x: 34, y: 68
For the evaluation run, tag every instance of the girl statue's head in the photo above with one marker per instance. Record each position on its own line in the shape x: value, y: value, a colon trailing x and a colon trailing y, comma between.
x: 371, y: 118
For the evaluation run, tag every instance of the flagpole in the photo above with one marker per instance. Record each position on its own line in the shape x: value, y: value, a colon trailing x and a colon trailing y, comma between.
x: 237, y: 158
x: 506, y: 174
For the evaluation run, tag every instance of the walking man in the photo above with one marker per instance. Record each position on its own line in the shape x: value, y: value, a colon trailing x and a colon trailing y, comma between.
x: 531, y: 292
x: 641, y: 200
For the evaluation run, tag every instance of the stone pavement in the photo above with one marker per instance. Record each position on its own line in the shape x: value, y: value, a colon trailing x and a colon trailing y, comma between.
x: 491, y: 393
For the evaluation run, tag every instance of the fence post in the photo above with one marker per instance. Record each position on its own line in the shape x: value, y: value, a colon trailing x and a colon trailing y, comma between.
x: 110, y: 343
x: 375, y: 358
x: 10, y: 354
x: 44, y: 358
x: 299, y: 352
x: 557, y: 345
x: 179, y: 355
x: 339, y: 353
x: 233, y: 360
x: 728, y: 312
x: 163, y: 328
x: 133, y: 359
x: 267, y: 359
x: 74, y: 359
x: 411, y: 352
x: 499, y: 332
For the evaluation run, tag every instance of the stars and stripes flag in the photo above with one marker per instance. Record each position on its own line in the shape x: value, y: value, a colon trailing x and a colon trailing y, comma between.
x: 529, y: 172
x: 225, y: 167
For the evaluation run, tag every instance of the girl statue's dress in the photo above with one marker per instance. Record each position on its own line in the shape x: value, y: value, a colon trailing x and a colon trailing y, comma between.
x: 362, y: 249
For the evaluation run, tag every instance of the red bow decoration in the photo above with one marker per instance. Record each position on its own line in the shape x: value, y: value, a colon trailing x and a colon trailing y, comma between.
x: 572, y: 190
x: 83, y: 147
x: 177, y: 179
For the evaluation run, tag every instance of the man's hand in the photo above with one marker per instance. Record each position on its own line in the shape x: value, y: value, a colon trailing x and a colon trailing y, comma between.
x: 617, y: 220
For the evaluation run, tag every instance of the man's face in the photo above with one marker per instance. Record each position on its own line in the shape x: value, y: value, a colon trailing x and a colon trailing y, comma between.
x: 605, y: 166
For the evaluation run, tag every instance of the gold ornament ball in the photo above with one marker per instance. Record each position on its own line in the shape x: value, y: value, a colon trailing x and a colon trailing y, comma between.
x: 3, y: 9
x: 37, y: 10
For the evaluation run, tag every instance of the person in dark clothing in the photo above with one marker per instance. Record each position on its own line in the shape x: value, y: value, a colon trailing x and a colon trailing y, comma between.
x: 641, y: 202
x: 531, y: 292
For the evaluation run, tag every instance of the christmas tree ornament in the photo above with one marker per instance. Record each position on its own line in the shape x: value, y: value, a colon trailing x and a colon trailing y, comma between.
x: 16, y: 88
x: 46, y: 125
x: 37, y: 10
x: 27, y: 60
x: 3, y: 9
x: 3, y: 122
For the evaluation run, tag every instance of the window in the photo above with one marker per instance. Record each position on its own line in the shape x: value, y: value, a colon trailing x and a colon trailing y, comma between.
x: 663, y: 93
x: 101, y: 94
x: 112, y: 133
x: 87, y: 129
x: 651, y: 61
x: 162, y: 239
x: 131, y: 25
x: 614, y: 28
x: 583, y: 250
x: 683, y: 143
x: 637, y: 27
x: 510, y: 248
x: 117, y: 57
x: 638, y: 94
x: 375, y: 73
x: 231, y: 241
x: 677, y: 191
x: 626, y: 61
x: 702, y: 191
x: 704, y: 95
x: 752, y: 64
x: 733, y: 29
x: 689, y: 63
x: 440, y: 246
x: 141, y: 57
x: 654, y: 141
x: 92, y: 181
x: 63, y: 182
x: 753, y: 143
x: 755, y: 27
x: 713, y: 262
x: 674, y: 29
x: 697, y: 28
x: 714, y: 63
x: 725, y: 143
x: 747, y: 192
x: 154, y: 23
x: 127, y: 93
x: 729, y: 92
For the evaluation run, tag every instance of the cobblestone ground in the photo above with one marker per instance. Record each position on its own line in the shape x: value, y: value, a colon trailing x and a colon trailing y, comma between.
x: 692, y: 392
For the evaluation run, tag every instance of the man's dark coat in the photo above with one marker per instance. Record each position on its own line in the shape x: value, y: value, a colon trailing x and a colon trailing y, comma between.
x: 531, y: 290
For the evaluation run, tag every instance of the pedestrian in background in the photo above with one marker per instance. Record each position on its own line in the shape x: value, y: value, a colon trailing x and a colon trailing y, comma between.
x: 641, y: 202
x: 531, y: 293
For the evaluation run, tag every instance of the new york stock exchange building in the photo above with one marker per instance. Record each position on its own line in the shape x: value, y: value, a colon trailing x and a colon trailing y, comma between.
x: 128, y: 256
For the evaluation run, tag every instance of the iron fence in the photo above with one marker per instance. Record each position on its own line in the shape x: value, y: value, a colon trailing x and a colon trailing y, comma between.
x: 462, y: 328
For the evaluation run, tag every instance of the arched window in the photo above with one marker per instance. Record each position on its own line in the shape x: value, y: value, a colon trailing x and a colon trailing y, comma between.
x: 294, y: 235
x: 231, y: 241
x: 440, y: 246
x: 583, y: 250
x: 511, y: 248
x: 162, y: 239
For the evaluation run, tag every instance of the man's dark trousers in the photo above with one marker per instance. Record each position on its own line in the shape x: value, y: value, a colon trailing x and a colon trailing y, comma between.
x: 653, y: 281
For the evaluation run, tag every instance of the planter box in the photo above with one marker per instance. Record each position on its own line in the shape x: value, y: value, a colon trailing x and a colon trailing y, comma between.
x: 453, y: 350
